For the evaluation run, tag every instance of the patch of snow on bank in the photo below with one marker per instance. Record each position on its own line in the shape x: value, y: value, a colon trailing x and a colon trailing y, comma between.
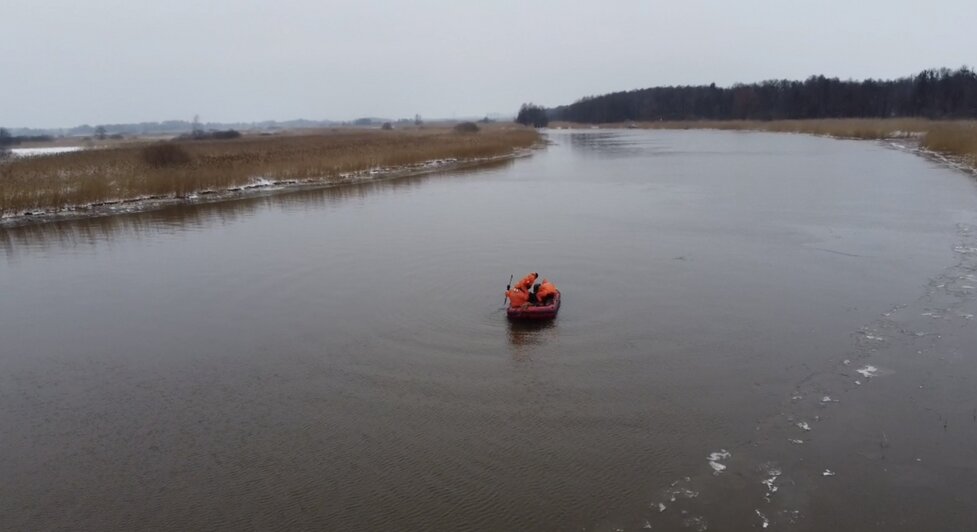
x: 35, y: 152
x: 260, y: 182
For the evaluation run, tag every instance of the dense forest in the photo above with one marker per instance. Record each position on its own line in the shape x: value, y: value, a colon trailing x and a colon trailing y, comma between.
x: 941, y: 93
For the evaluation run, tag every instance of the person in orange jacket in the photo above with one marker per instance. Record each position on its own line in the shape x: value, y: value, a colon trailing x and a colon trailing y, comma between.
x: 517, y: 297
x: 545, y: 292
x: 527, y: 282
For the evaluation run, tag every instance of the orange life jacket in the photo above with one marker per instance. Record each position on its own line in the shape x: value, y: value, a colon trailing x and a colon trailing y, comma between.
x: 527, y: 282
x: 517, y: 297
x: 546, y: 289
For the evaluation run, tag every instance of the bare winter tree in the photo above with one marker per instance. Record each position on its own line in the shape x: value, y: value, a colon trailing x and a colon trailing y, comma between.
x: 197, y: 131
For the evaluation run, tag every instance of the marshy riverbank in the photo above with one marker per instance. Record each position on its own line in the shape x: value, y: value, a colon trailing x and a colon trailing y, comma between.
x: 144, y: 176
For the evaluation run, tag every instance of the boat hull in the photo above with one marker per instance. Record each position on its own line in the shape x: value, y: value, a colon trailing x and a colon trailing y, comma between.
x: 535, y: 312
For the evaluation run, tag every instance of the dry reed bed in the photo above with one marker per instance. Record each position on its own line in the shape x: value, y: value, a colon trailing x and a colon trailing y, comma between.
x: 89, y: 177
x: 953, y: 138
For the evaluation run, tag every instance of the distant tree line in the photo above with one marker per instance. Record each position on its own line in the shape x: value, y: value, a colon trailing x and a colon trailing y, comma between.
x: 532, y: 115
x: 200, y: 134
x: 939, y: 93
x: 169, y: 127
x: 7, y: 140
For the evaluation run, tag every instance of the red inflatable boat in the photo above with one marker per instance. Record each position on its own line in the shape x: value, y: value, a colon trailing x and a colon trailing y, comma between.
x: 535, y: 312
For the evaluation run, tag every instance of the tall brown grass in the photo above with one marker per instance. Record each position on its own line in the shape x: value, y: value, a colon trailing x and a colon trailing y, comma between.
x: 954, y: 138
x: 958, y: 139
x: 139, y: 171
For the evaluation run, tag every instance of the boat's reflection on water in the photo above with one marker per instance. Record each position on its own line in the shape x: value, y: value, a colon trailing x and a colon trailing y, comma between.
x: 524, y: 336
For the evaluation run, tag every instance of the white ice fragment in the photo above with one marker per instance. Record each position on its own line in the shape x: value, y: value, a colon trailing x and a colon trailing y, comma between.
x: 859, y: 383
x: 828, y: 473
x: 661, y: 507
x: 714, y: 459
x: 770, y: 483
x: 803, y: 425
x: 721, y: 455
x: 868, y: 371
x: 826, y: 399
x: 846, y: 362
x: 797, y: 397
x: 796, y: 442
x: 967, y: 287
x: 685, y: 493
x: 647, y: 525
x: 764, y: 522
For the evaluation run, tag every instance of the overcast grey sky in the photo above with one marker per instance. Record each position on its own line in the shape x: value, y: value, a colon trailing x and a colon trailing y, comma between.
x: 66, y: 63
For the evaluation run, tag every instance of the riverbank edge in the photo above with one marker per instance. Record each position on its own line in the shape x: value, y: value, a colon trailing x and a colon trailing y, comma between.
x: 260, y: 187
x: 905, y: 140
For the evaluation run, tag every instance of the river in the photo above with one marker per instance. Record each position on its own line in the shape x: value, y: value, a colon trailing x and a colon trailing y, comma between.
x: 757, y: 329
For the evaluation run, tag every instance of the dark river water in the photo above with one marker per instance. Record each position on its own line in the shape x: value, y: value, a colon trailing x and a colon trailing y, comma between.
x: 757, y: 329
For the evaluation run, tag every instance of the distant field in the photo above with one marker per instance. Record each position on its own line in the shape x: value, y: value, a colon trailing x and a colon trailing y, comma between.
x: 955, y: 138
x: 179, y: 169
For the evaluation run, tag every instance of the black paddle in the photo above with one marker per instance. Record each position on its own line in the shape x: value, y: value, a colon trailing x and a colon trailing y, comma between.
x: 507, y: 287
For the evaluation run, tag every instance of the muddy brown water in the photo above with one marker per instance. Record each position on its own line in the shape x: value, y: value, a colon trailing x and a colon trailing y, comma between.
x: 797, y: 311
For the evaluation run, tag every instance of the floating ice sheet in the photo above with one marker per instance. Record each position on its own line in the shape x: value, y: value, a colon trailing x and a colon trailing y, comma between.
x: 868, y: 371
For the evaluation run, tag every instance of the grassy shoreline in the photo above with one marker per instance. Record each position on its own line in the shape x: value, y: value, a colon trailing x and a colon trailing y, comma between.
x: 79, y: 183
x: 955, y: 139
